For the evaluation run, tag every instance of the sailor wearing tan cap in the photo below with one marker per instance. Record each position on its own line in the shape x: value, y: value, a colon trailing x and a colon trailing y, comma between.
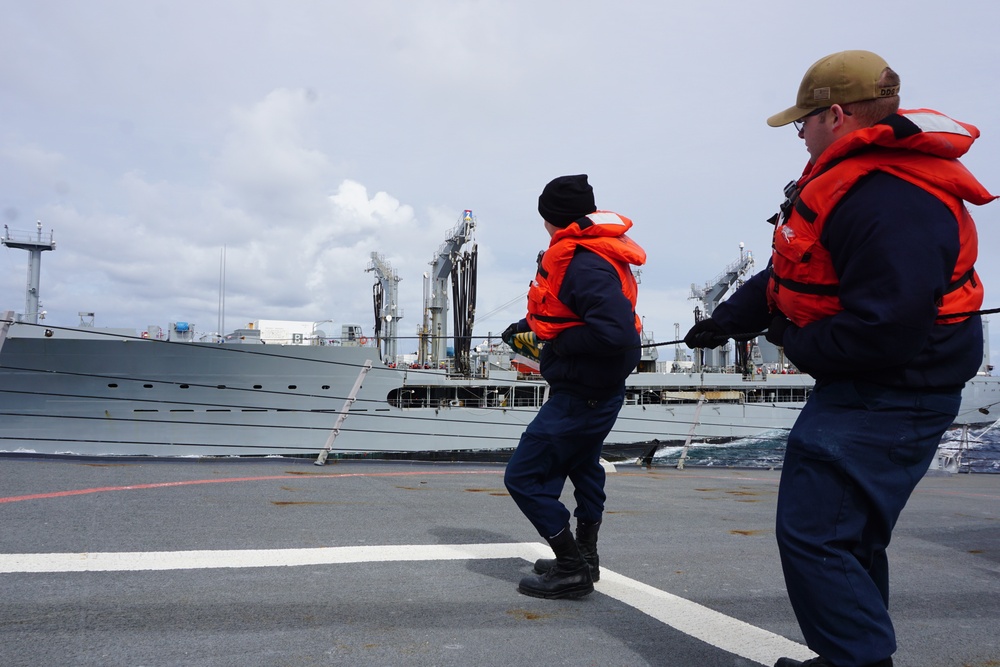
x: 869, y: 289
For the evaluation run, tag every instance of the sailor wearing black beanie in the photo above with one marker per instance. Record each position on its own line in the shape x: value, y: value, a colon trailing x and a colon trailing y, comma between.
x: 581, y: 318
x: 566, y: 199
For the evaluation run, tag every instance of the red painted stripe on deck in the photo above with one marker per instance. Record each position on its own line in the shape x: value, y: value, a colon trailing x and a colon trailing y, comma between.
x: 159, y: 485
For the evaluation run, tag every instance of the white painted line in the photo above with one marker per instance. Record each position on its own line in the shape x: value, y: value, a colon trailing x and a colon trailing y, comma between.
x: 713, y: 628
x: 729, y: 634
x: 196, y: 560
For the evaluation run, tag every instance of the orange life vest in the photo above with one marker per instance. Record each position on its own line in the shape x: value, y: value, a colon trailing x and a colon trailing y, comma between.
x: 601, y: 232
x: 917, y: 146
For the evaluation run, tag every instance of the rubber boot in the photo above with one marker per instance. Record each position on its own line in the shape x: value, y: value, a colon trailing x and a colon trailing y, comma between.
x: 586, y: 540
x: 569, y: 578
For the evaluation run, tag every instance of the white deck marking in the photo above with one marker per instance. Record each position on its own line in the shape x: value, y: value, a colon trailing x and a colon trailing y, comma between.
x: 723, y: 632
x: 196, y: 560
x: 729, y: 634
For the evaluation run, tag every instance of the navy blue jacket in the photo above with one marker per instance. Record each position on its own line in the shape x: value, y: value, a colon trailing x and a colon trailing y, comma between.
x: 894, y: 247
x: 592, y: 360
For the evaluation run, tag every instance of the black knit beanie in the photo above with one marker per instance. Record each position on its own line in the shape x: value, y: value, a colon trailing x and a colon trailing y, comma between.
x: 566, y: 199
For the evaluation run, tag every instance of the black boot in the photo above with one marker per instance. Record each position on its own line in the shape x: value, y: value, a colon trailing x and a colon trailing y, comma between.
x: 823, y: 662
x: 569, y: 578
x: 586, y: 540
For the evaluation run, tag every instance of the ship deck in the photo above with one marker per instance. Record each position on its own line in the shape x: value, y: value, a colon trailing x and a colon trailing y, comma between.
x: 280, y: 562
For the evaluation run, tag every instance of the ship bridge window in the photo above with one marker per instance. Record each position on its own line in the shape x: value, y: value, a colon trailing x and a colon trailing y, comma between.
x: 408, y: 397
x: 643, y: 397
x: 778, y: 395
x: 649, y: 397
x: 479, y: 396
x: 527, y: 397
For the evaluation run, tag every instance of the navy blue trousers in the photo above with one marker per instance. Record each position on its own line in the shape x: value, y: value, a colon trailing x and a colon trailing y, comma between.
x: 854, y: 456
x: 563, y: 441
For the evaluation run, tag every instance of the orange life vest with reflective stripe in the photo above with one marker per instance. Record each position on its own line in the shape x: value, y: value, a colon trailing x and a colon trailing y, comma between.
x: 917, y: 146
x: 601, y: 232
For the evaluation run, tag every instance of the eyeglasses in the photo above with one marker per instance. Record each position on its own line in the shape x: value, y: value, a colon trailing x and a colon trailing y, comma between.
x: 801, y: 122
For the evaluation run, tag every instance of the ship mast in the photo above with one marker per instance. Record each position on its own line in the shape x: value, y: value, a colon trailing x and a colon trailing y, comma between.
x: 34, y: 247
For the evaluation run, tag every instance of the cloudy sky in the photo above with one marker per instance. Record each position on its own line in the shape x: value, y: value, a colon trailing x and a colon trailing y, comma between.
x: 301, y: 136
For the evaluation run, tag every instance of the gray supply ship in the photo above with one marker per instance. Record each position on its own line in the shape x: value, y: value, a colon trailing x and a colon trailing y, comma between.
x: 281, y: 388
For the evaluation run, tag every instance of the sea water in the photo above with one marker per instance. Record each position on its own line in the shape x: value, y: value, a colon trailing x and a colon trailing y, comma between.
x: 979, y: 451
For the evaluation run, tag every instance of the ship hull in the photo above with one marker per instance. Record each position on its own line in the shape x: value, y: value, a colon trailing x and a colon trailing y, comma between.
x: 89, y: 392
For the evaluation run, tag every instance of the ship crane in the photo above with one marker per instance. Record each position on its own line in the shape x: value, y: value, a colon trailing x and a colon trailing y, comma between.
x: 435, y: 327
x: 710, y: 295
x: 387, y: 310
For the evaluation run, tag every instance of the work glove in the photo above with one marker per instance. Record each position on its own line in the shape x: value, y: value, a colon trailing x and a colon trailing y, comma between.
x: 527, y: 345
x: 508, y: 334
x: 775, y: 333
x: 706, y: 333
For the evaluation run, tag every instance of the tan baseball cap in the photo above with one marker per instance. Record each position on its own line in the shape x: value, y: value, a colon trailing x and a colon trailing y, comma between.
x: 840, y: 78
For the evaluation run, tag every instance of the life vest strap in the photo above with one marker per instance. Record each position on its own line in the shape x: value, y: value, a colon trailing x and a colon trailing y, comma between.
x: 807, y: 213
x: 968, y: 276
x: 555, y: 320
x: 805, y: 288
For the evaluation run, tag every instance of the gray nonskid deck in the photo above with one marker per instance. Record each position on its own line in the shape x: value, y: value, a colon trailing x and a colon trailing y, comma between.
x: 279, y: 562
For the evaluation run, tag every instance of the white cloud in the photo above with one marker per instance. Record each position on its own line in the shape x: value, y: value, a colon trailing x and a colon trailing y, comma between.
x: 37, y: 161
x: 352, y: 210
x: 468, y: 47
x: 269, y: 164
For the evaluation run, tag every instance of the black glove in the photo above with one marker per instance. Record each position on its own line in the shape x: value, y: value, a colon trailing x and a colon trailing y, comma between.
x: 508, y: 334
x: 706, y: 333
x: 776, y: 331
